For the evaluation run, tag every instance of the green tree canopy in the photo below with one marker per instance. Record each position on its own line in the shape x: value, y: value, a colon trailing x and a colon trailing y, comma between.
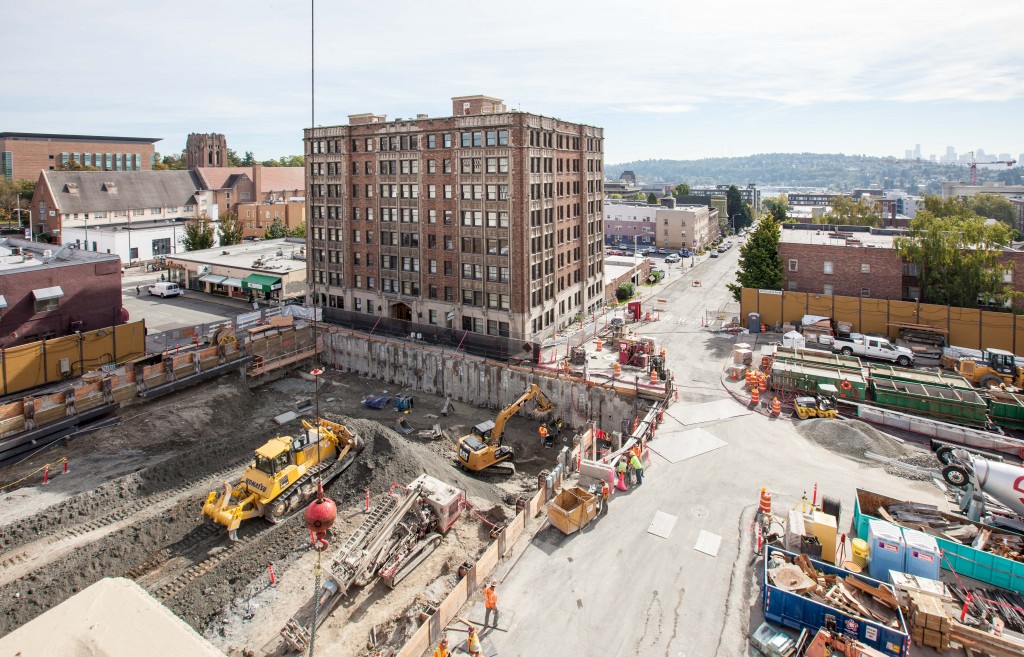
x: 175, y: 162
x: 286, y: 161
x: 847, y: 212
x: 652, y: 199
x: 737, y: 208
x: 639, y: 196
x: 760, y: 263
x: 777, y: 208
x: 680, y: 190
x: 233, y: 159
x: 249, y: 159
x: 9, y: 190
x: 198, y: 233
x: 298, y: 231
x: 957, y: 256
x: 277, y: 229
x: 993, y: 206
x: 229, y: 229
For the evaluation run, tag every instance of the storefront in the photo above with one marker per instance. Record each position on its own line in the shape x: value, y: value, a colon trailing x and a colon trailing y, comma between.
x: 264, y: 286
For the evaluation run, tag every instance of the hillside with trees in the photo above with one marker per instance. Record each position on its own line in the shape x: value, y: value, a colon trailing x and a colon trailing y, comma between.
x: 836, y: 172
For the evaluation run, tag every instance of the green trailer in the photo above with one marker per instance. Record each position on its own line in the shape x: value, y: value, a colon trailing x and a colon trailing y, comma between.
x: 927, y: 377
x: 1006, y: 408
x: 818, y: 358
x: 792, y: 376
x: 942, y: 403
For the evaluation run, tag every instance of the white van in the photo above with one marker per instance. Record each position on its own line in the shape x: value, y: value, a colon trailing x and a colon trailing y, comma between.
x: 165, y: 289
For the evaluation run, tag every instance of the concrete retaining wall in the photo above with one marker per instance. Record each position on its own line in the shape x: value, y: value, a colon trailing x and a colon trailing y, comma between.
x: 471, y: 379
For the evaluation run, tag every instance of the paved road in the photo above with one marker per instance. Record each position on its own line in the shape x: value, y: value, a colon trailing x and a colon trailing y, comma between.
x: 173, y: 312
x: 615, y: 589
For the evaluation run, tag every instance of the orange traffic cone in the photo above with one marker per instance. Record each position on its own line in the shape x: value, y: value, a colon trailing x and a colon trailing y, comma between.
x: 776, y: 407
x: 755, y: 398
x: 654, y: 376
x: 762, y: 383
x: 599, y: 345
x: 750, y: 379
x: 618, y: 369
x: 765, y: 504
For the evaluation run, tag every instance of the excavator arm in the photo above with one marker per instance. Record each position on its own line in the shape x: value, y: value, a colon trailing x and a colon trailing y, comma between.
x: 534, y: 392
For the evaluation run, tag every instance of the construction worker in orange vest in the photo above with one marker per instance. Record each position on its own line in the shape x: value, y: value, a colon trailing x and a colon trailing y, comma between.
x: 490, y: 604
x: 442, y: 649
x: 543, y: 431
x: 606, y: 493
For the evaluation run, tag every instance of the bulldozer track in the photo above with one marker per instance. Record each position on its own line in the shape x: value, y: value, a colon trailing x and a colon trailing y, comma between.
x: 126, y: 510
x: 269, y: 539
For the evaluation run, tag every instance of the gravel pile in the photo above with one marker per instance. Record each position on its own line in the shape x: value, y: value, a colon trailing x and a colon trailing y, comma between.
x: 854, y: 439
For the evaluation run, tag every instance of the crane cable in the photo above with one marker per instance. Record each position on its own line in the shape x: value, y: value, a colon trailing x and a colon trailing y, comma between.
x: 318, y: 568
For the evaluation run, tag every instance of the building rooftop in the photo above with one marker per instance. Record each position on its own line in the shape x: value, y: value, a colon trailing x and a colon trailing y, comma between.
x: 277, y: 256
x: 842, y: 238
x: 38, y: 136
x: 20, y: 255
x: 272, y: 179
x: 108, y: 191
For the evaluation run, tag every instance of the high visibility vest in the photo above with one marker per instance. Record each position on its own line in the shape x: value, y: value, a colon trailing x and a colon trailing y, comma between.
x: 473, y: 643
x: 622, y: 465
x: 635, y: 462
x: 543, y: 431
x: 440, y: 652
x: 491, y: 598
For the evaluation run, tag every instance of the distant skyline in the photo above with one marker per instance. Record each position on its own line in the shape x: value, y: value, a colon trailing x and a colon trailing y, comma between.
x: 665, y: 79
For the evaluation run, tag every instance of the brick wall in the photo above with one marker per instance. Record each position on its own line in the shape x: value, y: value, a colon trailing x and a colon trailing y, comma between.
x: 884, y: 280
x: 34, y: 155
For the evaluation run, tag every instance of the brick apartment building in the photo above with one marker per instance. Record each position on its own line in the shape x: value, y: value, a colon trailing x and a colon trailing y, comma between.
x: 862, y: 264
x: 24, y: 154
x: 47, y: 292
x: 488, y: 220
x: 667, y: 226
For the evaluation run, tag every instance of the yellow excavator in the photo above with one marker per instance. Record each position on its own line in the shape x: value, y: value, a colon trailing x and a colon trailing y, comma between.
x: 284, y: 474
x: 482, y: 450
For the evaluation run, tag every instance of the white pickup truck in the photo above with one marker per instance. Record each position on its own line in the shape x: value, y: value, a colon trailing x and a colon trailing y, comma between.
x: 872, y: 347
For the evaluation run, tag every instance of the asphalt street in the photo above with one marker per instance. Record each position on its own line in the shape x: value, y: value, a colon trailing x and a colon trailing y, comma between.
x: 614, y: 588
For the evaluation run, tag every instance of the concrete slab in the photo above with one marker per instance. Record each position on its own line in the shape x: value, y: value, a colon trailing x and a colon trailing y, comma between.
x: 662, y: 524
x: 708, y: 543
x: 676, y: 447
x: 709, y: 411
x: 286, y: 417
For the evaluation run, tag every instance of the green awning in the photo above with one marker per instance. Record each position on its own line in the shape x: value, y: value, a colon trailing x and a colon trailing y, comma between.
x: 261, y: 282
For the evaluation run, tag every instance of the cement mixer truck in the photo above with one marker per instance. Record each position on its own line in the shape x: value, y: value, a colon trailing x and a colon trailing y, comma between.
x: 978, y: 476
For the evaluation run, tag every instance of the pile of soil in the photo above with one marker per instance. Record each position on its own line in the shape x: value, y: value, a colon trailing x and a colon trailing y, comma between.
x: 854, y: 439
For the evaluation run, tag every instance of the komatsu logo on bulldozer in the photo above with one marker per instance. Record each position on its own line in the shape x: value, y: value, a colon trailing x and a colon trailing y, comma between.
x: 256, y: 485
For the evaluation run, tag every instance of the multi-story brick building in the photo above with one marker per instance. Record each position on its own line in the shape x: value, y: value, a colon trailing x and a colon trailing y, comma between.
x: 206, y: 150
x: 664, y: 226
x: 24, y: 154
x: 749, y: 193
x: 488, y: 220
x: 861, y: 265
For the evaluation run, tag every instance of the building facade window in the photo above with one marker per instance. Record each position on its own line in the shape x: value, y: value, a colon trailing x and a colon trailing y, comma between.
x: 792, y: 265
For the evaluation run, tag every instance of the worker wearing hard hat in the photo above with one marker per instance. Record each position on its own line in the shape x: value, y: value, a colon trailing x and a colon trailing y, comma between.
x: 442, y: 649
x: 490, y: 604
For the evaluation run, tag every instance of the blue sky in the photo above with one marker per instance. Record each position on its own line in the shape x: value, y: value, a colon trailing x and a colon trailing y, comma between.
x: 665, y: 79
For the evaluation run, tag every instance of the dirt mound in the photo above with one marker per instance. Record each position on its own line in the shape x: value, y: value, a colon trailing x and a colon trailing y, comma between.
x: 854, y: 439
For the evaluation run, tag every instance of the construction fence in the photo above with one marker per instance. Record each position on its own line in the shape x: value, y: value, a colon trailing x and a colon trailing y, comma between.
x: 50, y: 361
x: 964, y: 327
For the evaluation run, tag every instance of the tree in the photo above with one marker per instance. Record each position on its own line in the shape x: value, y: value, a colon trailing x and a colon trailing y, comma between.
x: 615, y: 196
x: 249, y: 159
x: 777, y: 208
x: 639, y: 196
x: 993, y: 206
x: 298, y: 231
x: 229, y: 229
x: 625, y: 291
x: 174, y: 162
x: 737, y: 208
x: 277, y: 229
x: 198, y: 233
x: 9, y: 190
x: 760, y: 263
x: 233, y: 159
x: 72, y: 165
x: 957, y: 256
x: 681, y: 190
x: 847, y: 212
x: 652, y: 199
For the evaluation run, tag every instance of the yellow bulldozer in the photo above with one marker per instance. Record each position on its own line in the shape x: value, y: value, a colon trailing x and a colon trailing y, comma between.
x: 996, y: 367
x: 482, y: 450
x: 284, y: 475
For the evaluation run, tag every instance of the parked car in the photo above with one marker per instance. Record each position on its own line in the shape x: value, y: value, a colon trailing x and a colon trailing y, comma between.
x: 722, y: 249
x: 685, y: 253
x: 873, y: 347
x: 714, y: 254
x: 672, y: 257
x: 165, y: 289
